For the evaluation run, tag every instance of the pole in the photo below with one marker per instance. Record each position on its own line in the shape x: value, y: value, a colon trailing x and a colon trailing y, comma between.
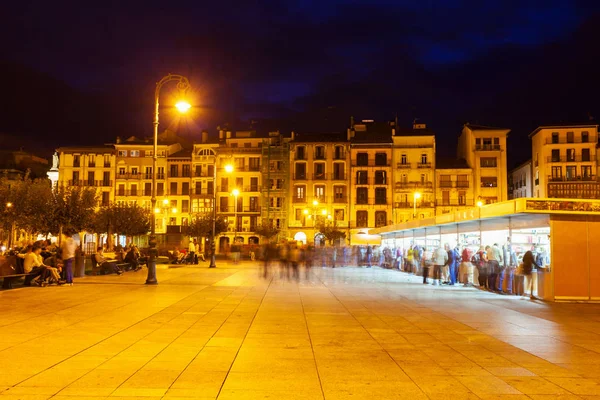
x: 213, y: 247
x: 235, y: 219
x: 153, y: 253
x: 414, y: 207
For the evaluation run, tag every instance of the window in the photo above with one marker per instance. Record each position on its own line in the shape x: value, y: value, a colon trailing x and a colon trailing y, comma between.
x: 160, y: 173
x: 488, y: 162
x: 173, y: 189
x: 556, y: 173
x: 147, y: 189
x: 300, y: 150
x: 299, y: 214
x: 571, y: 173
x: 239, y: 183
x: 489, y: 181
x: 338, y: 171
x: 462, y: 198
x: 380, y: 195
x: 403, y: 159
x: 247, y: 145
x: 122, y: 171
x: 107, y: 160
x: 380, y: 178
x: 338, y: 214
x: 174, y: 171
x: 362, y: 177
x: 106, y: 178
x: 445, y: 181
x: 239, y: 163
x: 320, y: 152
x: 234, y: 145
x: 224, y: 184
x: 423, y: 178
x: 381, y: 159
x: 210, y: 187
x: 122, y: 153
x: 380, y: 218
x: 185, y: 221
x: 148, y: 174
x: 224, y: 204
x: 496, y: 143
x: 121, y: 190
x: 362, y: 159
x: 320, y: 193
x: 300, y: 192
x: 585, y: 154
x: 423, y: 158
x: 254, y: 163
x: 240, y: 205
x: 198, y: 188
x: 339, y: 153
x: 554, y: 137
x: 76, y: 160
x: 555, y: 155
x: 362, y: 219
x: 445, y: 198
x: 134, y: 190
x: 300, y: 170
x: 90, y: 178
x: 92, y: 160
x: 186, y: 170
x: 362, y: 196
x: 570, y: 155
x: 570, y: 137
x: 585, y: 137
x: 105, y: 198
x: 339, y: 193
x: 134, y: 153
x: 160, y: 189
x: 586, y: 171
x: 319, y: 170
x: 185, y: 188
x: 254, y: 184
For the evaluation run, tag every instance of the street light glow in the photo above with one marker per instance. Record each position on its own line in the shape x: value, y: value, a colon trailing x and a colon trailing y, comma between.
x: 305, y: 211
x: 9, y: 204
x: 315, y: 203
x: 183, y: 106
x: 324, y: 212
x: 174, y: 210
x: 157, y: 211
x: 235, y: 192
x: 166, y: 202
x: 480, y: 203
x: 417, y: 195
x: 229, y: 168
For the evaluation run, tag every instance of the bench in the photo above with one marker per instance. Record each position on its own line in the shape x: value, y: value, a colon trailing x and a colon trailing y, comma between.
x: 97, y: 269
x: 11, y: 269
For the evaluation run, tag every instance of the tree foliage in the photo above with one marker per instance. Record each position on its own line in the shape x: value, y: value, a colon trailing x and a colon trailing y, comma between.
x: 123, y: 219
x: 267, y: 231
x: 201, y: 225
x: 72, y: 209
x: 331, y: 232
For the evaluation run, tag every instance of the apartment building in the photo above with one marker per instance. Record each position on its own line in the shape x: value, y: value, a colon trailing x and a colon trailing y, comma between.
x: 88, y: 166
x: 179, y: 178
x: 134, y: 159
x: 413, y: 161
x: 241, y: 150
x: 319, y: 186
x: 520, y: 181
x: 454, y: 188
x: 276, y: 178
x: 565, y: 161
x: 484, y: 149
x: 370, y: 176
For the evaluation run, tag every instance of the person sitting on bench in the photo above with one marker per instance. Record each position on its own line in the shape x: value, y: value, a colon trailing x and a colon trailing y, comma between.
x: 106, y: 264
x: 133, y: 258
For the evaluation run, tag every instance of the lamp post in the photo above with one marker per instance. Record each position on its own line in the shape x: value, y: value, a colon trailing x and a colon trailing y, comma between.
x: 235, y: 193
x: 183, y: 85
x: 12, y: 225
x: 416, y: 196
x: 213, y: 248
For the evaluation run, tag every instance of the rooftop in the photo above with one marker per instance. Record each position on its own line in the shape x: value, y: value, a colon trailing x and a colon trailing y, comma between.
x: 451, y: 163
x: 562, y: 125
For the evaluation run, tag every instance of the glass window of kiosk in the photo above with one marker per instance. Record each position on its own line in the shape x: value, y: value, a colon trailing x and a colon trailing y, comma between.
x: 536, y: 240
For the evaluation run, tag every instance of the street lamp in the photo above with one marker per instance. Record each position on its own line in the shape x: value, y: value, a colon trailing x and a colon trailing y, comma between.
x: 479, y: 203
x: 183, y: 85
x: 416, y: 196
x: 12, y: 225
x: 213, y: 248
x: 235, y: 193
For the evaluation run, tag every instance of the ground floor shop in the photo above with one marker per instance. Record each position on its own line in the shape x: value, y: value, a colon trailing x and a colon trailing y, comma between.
x: 562, y: 235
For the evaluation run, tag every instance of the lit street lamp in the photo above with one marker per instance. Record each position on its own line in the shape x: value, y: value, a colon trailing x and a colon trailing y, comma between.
x: 182, y: 85
x: 416, y: 196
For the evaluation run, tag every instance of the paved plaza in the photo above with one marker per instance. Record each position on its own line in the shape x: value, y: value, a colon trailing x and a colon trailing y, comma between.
x: 344, y: 333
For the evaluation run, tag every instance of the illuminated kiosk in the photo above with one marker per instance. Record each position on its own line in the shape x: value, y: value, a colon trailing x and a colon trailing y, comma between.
x: 566, y: 231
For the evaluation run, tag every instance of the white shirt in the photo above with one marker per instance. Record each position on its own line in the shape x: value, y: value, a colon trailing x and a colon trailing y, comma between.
x: 192, y: 247
x: 31, y: 260
x: 68, y: 249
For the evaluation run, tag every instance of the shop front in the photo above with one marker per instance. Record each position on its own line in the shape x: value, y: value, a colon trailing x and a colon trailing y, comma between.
x: 561, y: 234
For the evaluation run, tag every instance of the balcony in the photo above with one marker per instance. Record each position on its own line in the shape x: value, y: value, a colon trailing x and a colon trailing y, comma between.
x: 564, y: 159
x: 300, y: 177
x: 340, y: 200
x: 446, y: 184
x: 201, y: 192
x: 455, y: 203
x: 403, y: 165
x: 91, y: 165
x: 158, y: 176
x: 319, y: 156
x: 319, y: 176
x: 88, y: 183
x: 251, y: 188
x: 453, y: 184
x: 132, y: 193
x: 487, y: 147
x: 410, y: 204
x: 300, y: 157
x: 339, y: 156
x: 135, y: 175
x: 414, y: 185
x: 202, y: 174
x: 363, y: 181
x: 462, y: 184
x: 563, y: 140
x: 298, y: 199
x: 423, y: 165
x: 370, y: 163
x: 588, y: 178
x: 76, y: 163
x: 372, y: 201
x: 231, y: 209
x: 340, y: 176
x: 107, y: 165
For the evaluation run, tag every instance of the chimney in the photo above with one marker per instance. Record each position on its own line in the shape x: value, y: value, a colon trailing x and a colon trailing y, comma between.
x: 204, y: 136
x: 350, y: 134
x: 118, y: 139
x: 221, y: 135
x: 293, y: 135
x: 228, y: 134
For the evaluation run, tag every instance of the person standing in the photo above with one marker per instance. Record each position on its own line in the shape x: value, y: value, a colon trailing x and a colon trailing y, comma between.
x: 69, y: 248
x: 480, y: 261
x: 528, y: 264
x: 192, y: 252
x: 369, y: 256
x: 440, y: 258
x: 494, y: 255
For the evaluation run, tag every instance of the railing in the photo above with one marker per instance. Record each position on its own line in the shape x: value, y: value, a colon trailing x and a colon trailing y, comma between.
x: 446, y: 184
x: 107, y: 165
x: 94, y: 183
x: 131, y: 193
x: 372, y: 201
x: 403, y: 165
x: 300, y: 177
x: 298, y: 199
x: 252, y: 188
x: 453, y: 184
x: 563, y: 159
x: 462, y: 184
x: 319, y: 156
x: 339, y: 156
x: 380, y: 181
x: 487, y: 147
x: 370, y: 163
x: 158, y: 176
x: 363, y: 181
x: 174, y: 174
x: 299, y: 157
x: 340, y: 200
x: 319, y: 177
x: 76, y: 164
x: 588, y: 178
x: 414, y: 185
x: 563, y: 140
x: 91, y: 164
x: 201, y: 192
x: 340, y: 176
x: 455, y: 203
x: 423, y: 165
x: 231, y: 209
x: 202, y: 174
x: 131, y: 176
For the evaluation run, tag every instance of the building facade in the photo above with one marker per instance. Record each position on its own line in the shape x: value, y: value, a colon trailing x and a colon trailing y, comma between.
x: 484, y: 149
x: 520, y: 181
x: 454, y: 189
x: 565, y: 161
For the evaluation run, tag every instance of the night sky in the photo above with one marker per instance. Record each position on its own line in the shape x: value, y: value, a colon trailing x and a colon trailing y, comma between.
x: 75, y: 74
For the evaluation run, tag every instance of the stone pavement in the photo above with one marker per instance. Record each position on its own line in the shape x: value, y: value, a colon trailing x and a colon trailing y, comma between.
x: 347, y: 333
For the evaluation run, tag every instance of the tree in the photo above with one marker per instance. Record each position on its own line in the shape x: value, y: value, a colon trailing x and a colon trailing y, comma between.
x: 129, y: 220
x: 201, y: 225
x: 267, y: 231
x: 71, y: 209
x: 331, y: 232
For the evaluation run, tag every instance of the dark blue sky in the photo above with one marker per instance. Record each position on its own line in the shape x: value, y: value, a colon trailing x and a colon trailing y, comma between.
x: 310, y: 64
